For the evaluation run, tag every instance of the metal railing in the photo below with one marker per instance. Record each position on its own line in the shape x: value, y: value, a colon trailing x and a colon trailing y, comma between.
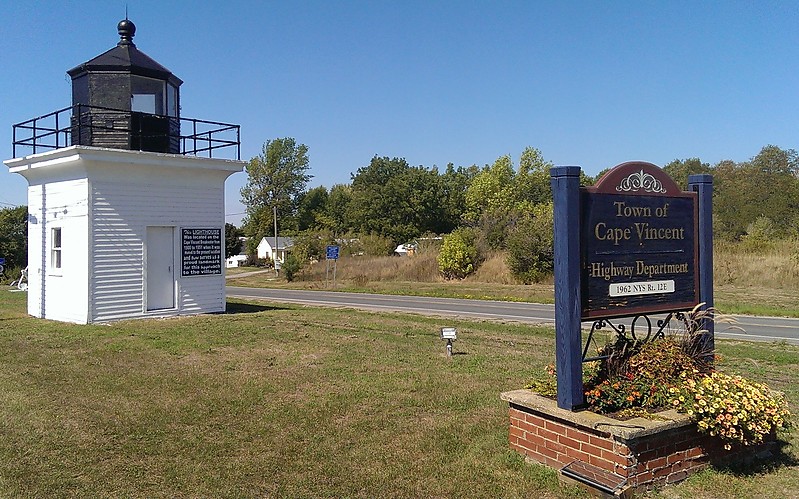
x: 77, y: 125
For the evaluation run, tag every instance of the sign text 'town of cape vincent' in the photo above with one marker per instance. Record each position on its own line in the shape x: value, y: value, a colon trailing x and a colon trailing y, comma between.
x: 639, y: 244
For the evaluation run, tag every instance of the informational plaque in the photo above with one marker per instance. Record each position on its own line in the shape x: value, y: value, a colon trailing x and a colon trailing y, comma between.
x: 332, y: 252
x: 201, y: 249
x: 639, y: 244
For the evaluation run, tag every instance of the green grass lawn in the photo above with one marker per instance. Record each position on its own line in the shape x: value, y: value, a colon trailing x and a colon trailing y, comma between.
x: 289, y: 401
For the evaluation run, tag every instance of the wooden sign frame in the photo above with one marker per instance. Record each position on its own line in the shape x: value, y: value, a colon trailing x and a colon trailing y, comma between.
x: 639, y: 244
x: 571, y: 204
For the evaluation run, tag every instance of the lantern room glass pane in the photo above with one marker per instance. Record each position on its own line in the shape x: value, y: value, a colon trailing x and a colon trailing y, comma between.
x: 143, y: 103
x: 147, y: 95
x: 171, y: 100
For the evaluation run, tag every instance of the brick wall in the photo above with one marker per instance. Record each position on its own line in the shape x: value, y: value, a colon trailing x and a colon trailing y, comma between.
x: 666, y: 456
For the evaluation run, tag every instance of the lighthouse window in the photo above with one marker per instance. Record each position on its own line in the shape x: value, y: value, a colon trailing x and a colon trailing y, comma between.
x: 147, y: 95
x: 143, y: 103
x: 55, y: 248
x: 171, y: 100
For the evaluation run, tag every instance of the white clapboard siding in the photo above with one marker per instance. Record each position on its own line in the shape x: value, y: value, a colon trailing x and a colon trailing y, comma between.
x: 105, y: 200
x: 36, y: 250
x: 119, y: 233
x: 58, y: 204
x: 198, y: 296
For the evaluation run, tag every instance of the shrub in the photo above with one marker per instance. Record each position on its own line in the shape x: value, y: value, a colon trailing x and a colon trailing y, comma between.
x: 377, y: 245
x: 458, y: 256
x: 530, y: 245
x: 10, y: 274
x: 254, y: 261
x: 759, y: 236
x: 291, y: 265
x: 492, y: 229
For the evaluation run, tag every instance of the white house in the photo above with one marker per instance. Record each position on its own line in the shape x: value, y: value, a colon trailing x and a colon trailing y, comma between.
x: 117, y: 234
x: 238, y: 260
x: 267, y: 249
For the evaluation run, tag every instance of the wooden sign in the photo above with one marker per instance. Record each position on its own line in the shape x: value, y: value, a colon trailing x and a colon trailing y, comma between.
x: 638, y: 244
x: 202, y: 251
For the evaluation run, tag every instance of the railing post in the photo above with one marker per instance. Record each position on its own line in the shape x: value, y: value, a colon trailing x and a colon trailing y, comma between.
x: 565, y: 182
x: 703, y: 185
x: 34, y: 135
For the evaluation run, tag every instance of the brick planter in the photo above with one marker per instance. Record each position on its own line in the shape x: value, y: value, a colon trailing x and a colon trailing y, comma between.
x: 622, y: 455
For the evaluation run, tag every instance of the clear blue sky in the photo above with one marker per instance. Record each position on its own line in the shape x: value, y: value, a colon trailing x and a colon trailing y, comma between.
x: 591, y: 84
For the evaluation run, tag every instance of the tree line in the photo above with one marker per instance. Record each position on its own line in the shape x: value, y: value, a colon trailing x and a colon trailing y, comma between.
x: 503, y: 206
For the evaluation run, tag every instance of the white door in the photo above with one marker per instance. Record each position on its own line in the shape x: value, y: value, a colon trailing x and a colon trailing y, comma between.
x: 160, y: 268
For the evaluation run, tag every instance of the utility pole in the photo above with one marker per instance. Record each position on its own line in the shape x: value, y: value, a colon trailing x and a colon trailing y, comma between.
x: 274, y: 250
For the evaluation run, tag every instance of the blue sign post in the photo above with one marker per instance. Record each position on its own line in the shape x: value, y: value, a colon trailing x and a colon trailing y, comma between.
x: 332, y: 254
x: 568, y: 338
x: 702, y: 184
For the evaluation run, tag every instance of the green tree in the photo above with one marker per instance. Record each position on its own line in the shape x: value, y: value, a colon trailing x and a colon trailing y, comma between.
x: 454, y: 183
x: 14, y: 236
x: 334, y: 216
x: 312, y: 244
x: 276, y: 178
x: 532, y: 182
x: 232, y: 242
x: 311, y: 209
x: 680, y: 169
x: 491, y: 190
x: 395, y: 200
x: 767, y: 186
x: 531, y: 245
x: 498, y: 195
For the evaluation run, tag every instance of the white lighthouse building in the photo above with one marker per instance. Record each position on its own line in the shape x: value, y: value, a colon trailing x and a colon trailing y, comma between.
x: 126, y: 214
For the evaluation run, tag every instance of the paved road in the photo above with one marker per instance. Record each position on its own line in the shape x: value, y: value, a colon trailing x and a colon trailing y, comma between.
x: 754, y: 328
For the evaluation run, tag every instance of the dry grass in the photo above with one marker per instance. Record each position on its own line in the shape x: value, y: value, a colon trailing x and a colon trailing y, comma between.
x: 771, y: 266
x: 759, y: 281
x: 420, y: 267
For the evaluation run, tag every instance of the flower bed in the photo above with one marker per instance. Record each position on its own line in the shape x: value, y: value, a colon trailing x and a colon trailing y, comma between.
x: 711, y: 416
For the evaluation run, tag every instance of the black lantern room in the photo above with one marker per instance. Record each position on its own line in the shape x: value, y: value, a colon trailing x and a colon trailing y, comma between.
x: 123, y: 99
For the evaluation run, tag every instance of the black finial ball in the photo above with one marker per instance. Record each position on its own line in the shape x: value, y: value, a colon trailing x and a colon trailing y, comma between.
x: 126, y: 30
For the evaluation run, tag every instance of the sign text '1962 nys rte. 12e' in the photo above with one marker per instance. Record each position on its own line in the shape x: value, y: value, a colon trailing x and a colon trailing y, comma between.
x: 639, y: 244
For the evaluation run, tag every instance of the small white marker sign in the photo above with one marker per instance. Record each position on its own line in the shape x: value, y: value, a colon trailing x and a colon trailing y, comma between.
x: 641, y: 288
x: 449, y: 333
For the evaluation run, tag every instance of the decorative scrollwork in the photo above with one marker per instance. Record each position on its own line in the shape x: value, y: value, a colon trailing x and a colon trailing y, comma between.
x: 634, y: 334
x: 641, y: 181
